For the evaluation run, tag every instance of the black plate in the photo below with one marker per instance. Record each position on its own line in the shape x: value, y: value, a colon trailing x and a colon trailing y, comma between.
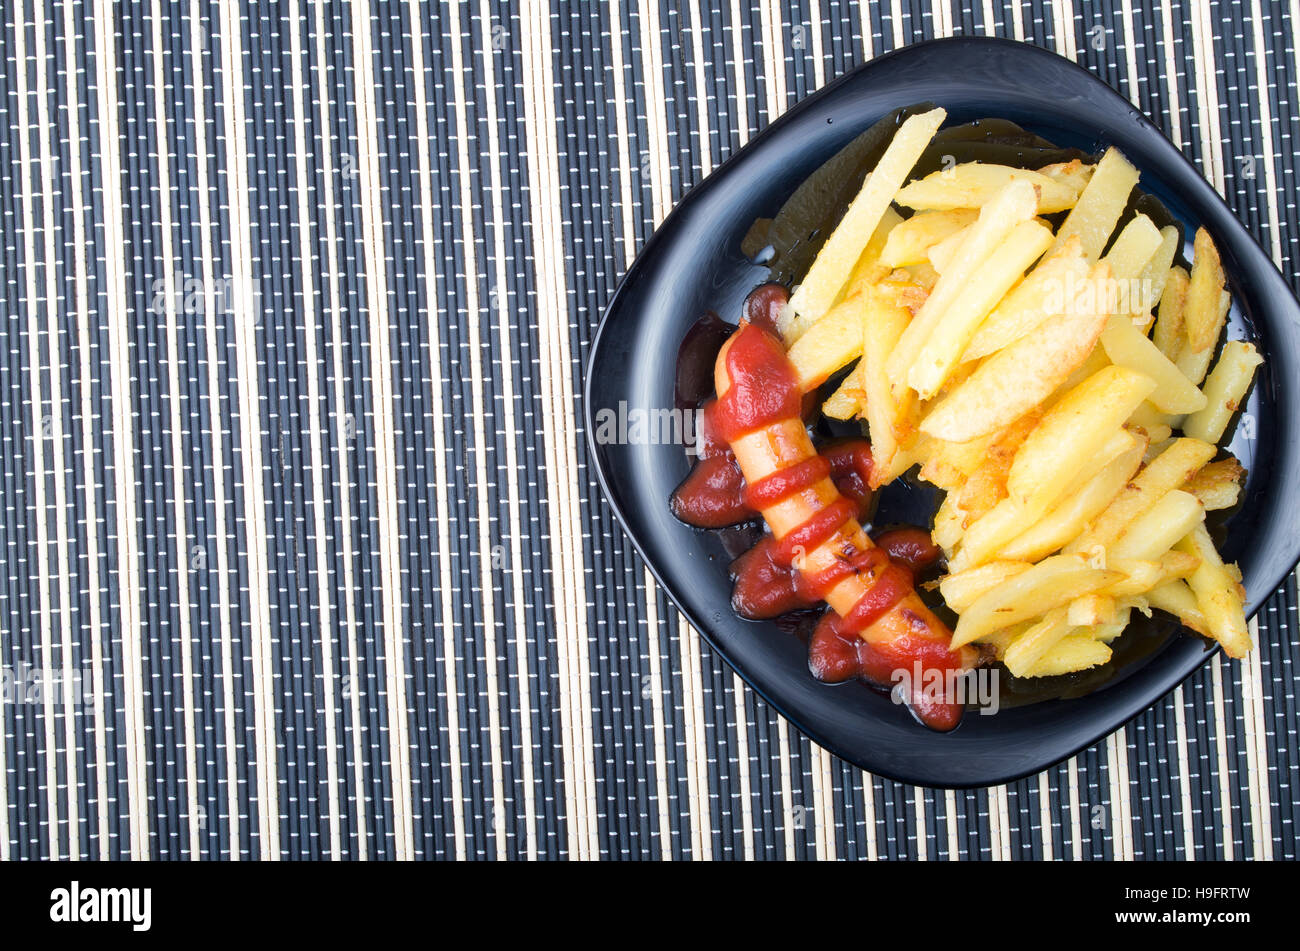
x: 694, y: 264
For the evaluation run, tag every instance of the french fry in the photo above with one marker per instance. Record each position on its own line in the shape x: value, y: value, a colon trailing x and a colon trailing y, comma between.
x: 909, y: 242
x: 942, y: 253
x: 1159, y: 528
x: 882, y: 327
x: 948, y: 524
x: 1126, y: 346
x: 1169, y: 470
x: 1074, y: 173
x: 1169, y: 321
x: 973, y: 185
x: 1130, y: 252
x: 941, y: 353
x: 1071, y: 432
x: 949, y: 464
x: 1224, y: 390
x: 1072, y: 652
x: 1048, y: 585
x: 962, y: 590
x: 830, y: 344
x: 1100, y: 204
x: 1049, y: 289
x: 1206, y: 304
x: 1193, y: 364
x: 1218, y: 484
x: 1153, y: 278
x: 1218, y: 594
x: 1027, y: 649
x: 847, y: 400
x: 1013, y: 205
x: 1073, y: 512
x: 1176, y: 598
x: 835, y: 262
x: 1141, y: 575
x: 1013, y: 380
x: 867, y: 271
x: 984, y: 487
x: 1090, y: 610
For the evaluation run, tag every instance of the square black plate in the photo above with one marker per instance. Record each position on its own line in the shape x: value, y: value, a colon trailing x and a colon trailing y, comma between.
x: 694, y: 263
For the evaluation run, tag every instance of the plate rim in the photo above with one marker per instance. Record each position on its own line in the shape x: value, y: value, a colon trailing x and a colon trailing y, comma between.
x: 633, y: 271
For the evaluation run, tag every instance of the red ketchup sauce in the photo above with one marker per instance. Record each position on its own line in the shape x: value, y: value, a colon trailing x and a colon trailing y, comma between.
x: 764, y: 390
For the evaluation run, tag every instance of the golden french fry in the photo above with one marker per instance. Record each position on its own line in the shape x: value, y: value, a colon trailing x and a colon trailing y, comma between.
x: 1168, y: 333
x: 1075, y: 510
x: 1167, y: 471
x: 962, y: 590
x: 830, y: 344
x: 1048, y: 585
x: 1153, y: 278
x: 1052, y: 287
x: 1176, y: 598
x: 1013, y: 205
x: 1224, y: 390
x: 1158, y: 529
x: 909, y: 243
x: 1218, y: 594
x: 1027, y: 649
x: 1072, y: 652
x: 835, y: 262
x: 1206, y: 305
x: 1090, y: 610
x: 988, y: 483
x: 884, y: 323
x: 941, y: 353
x: 1074, y: 173
x: 942, y: 253
x: 1193, y: 364
x: 949, y: 464
x: 1071, y: 432
x: 1218, y: 484
x: 1130, y: 252
x: 973, y: 185
x: 1100, y: 204
x: 1013, y: 380
x: 847, y: 400
x: 1126, y: 346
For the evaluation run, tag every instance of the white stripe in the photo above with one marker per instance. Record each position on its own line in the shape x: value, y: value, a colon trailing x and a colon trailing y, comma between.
x: 773, y: 71
x: 657, y: 761
x: 35, y: 436
x: 258, y: 625
x: 306, y: 220
x: 1221, y: 739
x: 433, y: 328
x: 216, y: 429
x: 1171, y: 72
x: 1121, y: 815
x: 559, y: 427
x: 1063, y: 15
x: 118, y: 319
x: 918, y: 798
x: 496, y: 796
x: 1045, y: 816
x: 1207, y: 93
x: 515, y: 571
x: 1184, y: 774
x: 180, y: 533
x: 381, y: 371
x: 344, y: 436
x: 89, y: 455
x: 70, y: 714
x: 1076, y: 819
x: 950, y: 823
x: 1257, y: 788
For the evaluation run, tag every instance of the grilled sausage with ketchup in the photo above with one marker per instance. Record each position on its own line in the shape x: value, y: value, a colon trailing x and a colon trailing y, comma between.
x: 816, y: 529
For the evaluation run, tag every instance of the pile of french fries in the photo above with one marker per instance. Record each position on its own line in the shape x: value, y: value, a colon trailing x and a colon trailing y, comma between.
x: 1054, y: 381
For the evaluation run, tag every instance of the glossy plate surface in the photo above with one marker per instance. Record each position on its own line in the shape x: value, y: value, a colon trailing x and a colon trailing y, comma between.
x: 694, y: 264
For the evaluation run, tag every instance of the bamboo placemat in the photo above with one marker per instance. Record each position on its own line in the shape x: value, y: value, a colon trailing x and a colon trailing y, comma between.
x: 296, y: 303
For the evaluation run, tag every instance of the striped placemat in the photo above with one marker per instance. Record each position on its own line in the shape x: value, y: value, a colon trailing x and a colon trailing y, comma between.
x: 302, y: 553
